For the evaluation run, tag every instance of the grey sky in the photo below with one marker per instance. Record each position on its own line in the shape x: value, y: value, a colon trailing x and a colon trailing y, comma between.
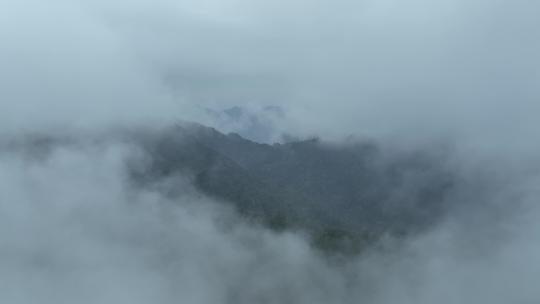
x: 375, y: 67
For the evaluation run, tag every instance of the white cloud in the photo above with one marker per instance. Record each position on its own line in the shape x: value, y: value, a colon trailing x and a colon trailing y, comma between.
x: 73, y: 231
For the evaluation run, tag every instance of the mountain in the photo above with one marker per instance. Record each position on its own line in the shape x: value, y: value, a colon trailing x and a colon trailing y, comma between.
x: 336, y: 193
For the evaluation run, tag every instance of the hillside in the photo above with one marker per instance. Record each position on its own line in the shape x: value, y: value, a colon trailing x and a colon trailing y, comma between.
x: 352, y: 190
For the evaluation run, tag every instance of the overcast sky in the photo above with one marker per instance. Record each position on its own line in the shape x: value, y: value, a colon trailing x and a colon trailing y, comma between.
x: 374, y: 67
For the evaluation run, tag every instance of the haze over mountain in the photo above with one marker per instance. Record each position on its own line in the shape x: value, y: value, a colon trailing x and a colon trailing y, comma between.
x: 286, y: 151
x: 344, y: 196
x: 355, y: 187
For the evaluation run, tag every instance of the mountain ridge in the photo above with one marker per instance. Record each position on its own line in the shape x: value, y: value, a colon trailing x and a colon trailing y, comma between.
x: 309, y: 185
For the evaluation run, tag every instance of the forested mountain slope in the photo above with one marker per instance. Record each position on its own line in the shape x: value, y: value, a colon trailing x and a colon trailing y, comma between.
x: 351, y: 190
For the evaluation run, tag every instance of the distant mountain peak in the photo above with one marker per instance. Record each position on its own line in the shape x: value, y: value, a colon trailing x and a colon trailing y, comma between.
x: 263, y: 125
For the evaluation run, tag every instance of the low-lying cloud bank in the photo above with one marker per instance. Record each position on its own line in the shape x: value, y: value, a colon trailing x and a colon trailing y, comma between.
x: 74, y: 229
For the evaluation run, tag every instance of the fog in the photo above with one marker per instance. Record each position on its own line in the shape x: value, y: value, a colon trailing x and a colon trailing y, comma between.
x: 74, y: 229
x: 379, y: 68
